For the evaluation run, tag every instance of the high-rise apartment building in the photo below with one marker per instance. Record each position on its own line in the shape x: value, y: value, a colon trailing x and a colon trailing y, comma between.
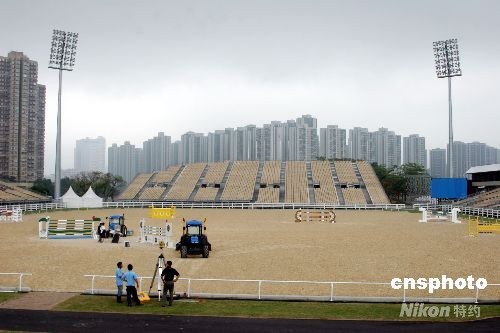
x: 90, y: 155
x: 22, y: 119
x: 194, y: 147
x: 332, y: 142
x: 468, y: 155
x: 157, y: 153
x: 125, y: 160
x: 359, y: 144
x: 387, y: 147
x: 438, y: 163
x: 414, y: 150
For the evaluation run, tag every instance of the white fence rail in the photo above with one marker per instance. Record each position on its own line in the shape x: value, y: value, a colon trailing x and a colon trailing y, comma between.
x: 35, y: 207
x: 331, y: 296
x: 19, y: 287
x: 244, y: 205
x: 491, y: 213
x: 234, y: 205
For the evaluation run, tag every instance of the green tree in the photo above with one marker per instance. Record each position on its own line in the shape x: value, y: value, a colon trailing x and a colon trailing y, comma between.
x: 43, y: 186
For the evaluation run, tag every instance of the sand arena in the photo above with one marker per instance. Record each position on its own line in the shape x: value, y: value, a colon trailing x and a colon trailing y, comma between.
x: 373, y: 246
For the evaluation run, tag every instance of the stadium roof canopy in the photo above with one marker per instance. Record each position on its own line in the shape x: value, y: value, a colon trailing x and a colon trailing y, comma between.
x: 484, y: 168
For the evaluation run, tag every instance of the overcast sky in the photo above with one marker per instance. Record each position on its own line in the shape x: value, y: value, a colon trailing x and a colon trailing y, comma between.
x: 148, y: 66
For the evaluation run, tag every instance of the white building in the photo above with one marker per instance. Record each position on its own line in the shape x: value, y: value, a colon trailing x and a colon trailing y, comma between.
x: 414, y: 150
x: 90, y: 155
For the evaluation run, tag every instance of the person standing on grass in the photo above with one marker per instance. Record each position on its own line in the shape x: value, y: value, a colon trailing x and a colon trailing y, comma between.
x: 119, y: 281
x: 168, y: 279
x: 132, y: 281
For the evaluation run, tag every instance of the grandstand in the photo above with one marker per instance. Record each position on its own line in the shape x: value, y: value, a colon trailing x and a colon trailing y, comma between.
x: 135, y: 186
x: 372, y: 184
x: 186, y: 182
x: 269, y: 190
x: 211, y: 183
x: 324, y: 188
x: 484, y: 184
x: 353, y: 196
x: 296, y: 189
x: 166, y: 176
x: 10, y: 193
x: 345, y: 172
x: 241, y: 181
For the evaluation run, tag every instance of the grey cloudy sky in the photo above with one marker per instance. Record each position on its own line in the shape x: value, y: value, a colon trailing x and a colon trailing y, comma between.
x: 174, y: 66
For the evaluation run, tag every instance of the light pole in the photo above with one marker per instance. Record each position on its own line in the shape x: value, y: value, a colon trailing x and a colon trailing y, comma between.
x: 447, y: 65
x: 62, y: 57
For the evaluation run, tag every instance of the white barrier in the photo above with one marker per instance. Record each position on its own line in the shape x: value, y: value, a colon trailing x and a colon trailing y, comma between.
x: 427, y: 216
x: 330, y: 293
x: 155, y: 235
x: 14, y: 215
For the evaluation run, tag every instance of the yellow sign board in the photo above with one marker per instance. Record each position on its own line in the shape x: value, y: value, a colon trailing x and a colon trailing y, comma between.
x: 162, y: 213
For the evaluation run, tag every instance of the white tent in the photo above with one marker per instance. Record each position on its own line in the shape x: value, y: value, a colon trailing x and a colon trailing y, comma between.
x: 71, y: 199
x: 91, y: 200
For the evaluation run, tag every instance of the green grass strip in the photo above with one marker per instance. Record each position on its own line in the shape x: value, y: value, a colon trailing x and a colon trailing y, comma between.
x: 4, y: 297
x: 263, y: 309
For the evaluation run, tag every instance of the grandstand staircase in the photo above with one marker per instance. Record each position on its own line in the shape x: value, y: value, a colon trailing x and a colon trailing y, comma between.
x: 282, y: 182
x: 312, y: 197
x: 362, y: 184
x: 198, y: 184
x: 172, y: 182
x: 146, y: 185
x: 224, y: 180
x: 336, y: 182
x: 257, y: 182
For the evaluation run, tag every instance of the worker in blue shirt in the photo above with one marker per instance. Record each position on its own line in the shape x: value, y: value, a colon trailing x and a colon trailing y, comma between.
x: 132, y: 281
x: 119, y: 281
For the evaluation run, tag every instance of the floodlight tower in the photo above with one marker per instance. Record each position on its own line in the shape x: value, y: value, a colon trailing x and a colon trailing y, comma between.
x: 448, y: 65
x: 62, y: 57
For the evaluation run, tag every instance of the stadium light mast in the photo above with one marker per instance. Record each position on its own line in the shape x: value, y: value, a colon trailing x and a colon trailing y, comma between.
x: 448, y: 65
x: 62, y: 57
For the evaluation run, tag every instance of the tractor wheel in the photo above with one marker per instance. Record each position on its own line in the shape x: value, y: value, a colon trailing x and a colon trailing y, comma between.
x: 206, y: 251
x: 184, y: 251
x: 124, y: 231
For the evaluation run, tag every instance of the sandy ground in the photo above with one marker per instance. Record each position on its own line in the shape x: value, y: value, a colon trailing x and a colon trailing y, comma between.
x: 373, y: 246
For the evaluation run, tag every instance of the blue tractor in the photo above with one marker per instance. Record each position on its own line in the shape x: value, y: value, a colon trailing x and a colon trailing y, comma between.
x: 117, y: 223
x: 194, y: 240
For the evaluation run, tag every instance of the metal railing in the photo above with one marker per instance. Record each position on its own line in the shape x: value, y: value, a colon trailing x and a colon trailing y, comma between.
x: 485, y: 212
x: 19, y: 287
x: 191, y: 204
x: 245, y: 205
x: 35, y: 207
x: 331, y: 296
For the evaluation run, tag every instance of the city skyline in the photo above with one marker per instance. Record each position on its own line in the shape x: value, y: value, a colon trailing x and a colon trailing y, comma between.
x: 173, y: 67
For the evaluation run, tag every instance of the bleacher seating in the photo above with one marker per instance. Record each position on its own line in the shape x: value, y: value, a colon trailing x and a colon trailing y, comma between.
x: 206, y: 194
x: 345, y: 172
x: 166, y: 176
x: 135, y: 186
x: 269, y: 195
x: 373, y: 186
x: 185, y: 183
x: 296, y: 189
x: 353, y: 196
x: 271, y: 173
x: 488, y: 199
x: 152, y: 193
x: 216, y: 172
x: 241, y: 182
x: 10, y: 192
x: 214, y: 175
x: 322, y: 175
